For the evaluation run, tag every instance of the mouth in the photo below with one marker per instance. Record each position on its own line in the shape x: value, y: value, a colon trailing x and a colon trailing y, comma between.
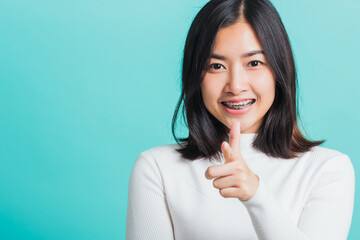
x: 239, y: 105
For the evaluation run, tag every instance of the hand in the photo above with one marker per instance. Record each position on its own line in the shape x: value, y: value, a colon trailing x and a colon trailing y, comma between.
x: 234, y: 179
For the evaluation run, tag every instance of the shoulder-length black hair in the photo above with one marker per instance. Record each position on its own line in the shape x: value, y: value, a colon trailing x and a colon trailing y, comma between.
x: 279, y: 135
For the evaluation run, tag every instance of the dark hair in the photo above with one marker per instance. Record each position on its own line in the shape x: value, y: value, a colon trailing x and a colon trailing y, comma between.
x: 279, y: 135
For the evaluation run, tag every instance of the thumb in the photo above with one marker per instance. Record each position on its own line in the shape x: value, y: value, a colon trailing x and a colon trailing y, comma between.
x: 227, y: 152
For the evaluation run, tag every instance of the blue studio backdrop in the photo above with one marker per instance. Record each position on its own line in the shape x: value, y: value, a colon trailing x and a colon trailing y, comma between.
x: 85, y: 86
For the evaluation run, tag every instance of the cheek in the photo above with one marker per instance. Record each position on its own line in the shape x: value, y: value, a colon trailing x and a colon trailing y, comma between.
x: 210, y: 90
x: 264, y: 86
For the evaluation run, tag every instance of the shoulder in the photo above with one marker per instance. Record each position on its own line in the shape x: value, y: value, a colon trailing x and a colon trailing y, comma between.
x: 165, y: 164
x: 159, y: 153
x: 326, y: 159
x: 158, y: 157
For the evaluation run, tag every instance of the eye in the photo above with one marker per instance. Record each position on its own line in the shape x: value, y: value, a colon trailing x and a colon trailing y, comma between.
x: 255, y: 63
x: 216, y: 66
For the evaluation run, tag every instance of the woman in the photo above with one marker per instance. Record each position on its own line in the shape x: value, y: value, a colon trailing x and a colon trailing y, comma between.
x: 269, y: 181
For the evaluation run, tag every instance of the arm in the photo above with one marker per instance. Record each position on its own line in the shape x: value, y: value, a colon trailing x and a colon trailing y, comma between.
x: 326, y: 215
x: 148, y: 216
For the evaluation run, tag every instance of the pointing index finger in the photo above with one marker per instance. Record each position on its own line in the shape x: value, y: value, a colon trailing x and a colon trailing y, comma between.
x: 235, y: 137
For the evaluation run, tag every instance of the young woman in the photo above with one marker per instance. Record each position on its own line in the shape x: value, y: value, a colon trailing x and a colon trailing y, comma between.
x: 245, y: 171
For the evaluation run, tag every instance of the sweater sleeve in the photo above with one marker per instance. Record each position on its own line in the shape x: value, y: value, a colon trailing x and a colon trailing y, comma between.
x: 327, y: 212
x: 148, y: 216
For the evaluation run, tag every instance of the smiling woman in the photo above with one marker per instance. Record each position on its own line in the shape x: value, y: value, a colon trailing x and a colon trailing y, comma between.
x: 239, y: 96
x: 244, y: 72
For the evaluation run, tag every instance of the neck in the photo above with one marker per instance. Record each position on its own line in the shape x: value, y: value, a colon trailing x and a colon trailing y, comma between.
x: 246, y: 140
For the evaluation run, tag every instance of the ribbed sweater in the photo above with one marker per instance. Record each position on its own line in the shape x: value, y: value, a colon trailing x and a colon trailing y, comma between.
x: 308, y: 197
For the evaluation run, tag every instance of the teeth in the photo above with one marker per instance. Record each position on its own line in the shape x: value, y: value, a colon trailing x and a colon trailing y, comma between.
x: 239, y: 105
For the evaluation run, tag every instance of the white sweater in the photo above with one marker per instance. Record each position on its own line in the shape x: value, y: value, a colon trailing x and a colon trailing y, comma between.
x: 310, y: 197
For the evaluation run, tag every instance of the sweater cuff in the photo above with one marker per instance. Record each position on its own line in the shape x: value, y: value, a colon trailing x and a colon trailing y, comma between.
x: 259, y: 196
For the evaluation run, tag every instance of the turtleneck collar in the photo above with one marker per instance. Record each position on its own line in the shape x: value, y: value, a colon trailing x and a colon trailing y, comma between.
x: 246, y: 148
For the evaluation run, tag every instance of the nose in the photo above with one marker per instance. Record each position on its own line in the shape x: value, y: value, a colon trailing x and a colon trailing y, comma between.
x: 237, y: 81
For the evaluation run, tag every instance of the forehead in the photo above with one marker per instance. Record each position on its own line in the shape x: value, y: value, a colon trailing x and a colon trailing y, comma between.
x: 236, y: 39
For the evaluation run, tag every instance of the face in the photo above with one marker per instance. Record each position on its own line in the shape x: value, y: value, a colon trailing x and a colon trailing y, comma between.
x: 238, y: 84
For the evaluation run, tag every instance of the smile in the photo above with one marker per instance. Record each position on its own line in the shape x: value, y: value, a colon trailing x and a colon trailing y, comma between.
x: 238, y: 108
x: 240, y: 105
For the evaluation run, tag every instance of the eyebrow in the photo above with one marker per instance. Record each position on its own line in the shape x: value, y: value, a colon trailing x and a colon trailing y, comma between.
x: 248, y: 54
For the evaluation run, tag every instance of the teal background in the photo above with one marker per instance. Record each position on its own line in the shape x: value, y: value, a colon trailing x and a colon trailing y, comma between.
x: 85, y: 86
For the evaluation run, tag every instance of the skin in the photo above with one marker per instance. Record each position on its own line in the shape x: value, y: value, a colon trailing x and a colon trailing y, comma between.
x: 237, y: 76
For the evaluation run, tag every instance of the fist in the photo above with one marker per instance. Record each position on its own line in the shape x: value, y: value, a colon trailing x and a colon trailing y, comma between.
x: 234, y: 179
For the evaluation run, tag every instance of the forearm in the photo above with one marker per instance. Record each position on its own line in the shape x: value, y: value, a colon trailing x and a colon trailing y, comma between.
x: 326, y: 215
x: 270, y: 221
